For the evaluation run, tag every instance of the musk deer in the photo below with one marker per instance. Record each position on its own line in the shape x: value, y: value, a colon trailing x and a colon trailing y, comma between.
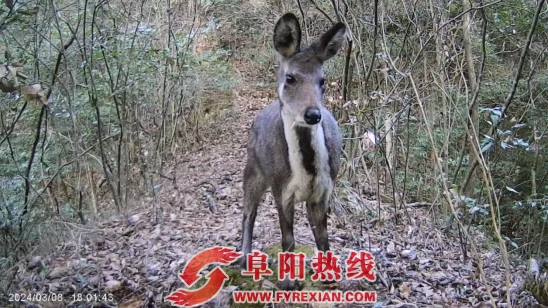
x: 294, y: 144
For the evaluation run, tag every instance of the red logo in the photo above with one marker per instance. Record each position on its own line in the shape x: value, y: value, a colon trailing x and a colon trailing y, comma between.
x: 215, y: 279
x: 292, y: 265
x: 257, y: 265
x: 326, y: 267
x: 360, y: 265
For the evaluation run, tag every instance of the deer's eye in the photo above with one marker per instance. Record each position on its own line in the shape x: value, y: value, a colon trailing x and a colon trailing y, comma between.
x: 289, y: 79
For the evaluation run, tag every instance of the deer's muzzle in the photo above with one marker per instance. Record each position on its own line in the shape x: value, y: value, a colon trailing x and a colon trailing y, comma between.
x: 312, y: 116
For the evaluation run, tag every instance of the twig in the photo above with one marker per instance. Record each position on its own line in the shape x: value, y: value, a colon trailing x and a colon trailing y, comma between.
x: 346, y: 71
x: 493, y: 202
x: 336, y: 9
x: 447, y: 192
x: 29, y: 166
x: 322, y: 11
x: 419, y: 204
x: 512, y: 92
x: 10, y: 130
x: 375, y: 29
x: 304, y: 21
x: 213, y: 186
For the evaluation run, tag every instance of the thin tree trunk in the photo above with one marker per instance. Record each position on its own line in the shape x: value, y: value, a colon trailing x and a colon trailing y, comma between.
x: 468, y: 189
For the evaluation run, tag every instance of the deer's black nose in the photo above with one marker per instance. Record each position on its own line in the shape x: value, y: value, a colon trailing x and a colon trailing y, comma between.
x: 312, y: 116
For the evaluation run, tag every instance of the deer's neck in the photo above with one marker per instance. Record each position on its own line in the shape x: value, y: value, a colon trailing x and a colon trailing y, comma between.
x: 308, y: 159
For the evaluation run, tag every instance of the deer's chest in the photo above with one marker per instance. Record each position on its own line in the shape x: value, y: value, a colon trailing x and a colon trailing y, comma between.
x: 309, y: 162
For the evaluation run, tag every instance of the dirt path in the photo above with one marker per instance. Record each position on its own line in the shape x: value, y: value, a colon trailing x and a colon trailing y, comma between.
x: 137, y: 258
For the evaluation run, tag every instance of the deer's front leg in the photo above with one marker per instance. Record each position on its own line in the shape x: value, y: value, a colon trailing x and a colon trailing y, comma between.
x: 317, y: 217
x: 286, y: 213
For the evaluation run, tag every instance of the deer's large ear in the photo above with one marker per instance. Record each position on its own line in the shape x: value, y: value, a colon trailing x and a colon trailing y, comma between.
x: 330, y: 42
x: 287, y: 35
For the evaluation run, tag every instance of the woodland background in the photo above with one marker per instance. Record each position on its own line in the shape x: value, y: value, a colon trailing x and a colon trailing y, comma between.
x: 441, y: 104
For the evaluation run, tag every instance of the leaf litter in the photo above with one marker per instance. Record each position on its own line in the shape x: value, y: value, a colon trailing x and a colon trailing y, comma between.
x: 134, y: 260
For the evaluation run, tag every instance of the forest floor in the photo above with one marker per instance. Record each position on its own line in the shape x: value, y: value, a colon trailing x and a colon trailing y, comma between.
x: 133, y: 260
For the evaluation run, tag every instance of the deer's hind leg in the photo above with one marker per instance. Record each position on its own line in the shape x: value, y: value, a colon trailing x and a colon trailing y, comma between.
x: 254, y: 185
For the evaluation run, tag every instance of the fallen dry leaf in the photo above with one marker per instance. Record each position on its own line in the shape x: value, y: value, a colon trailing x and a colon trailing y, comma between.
x: 34, y: 262
x: 34, y: 92
x: 405, y: 290
x: 132, y: 303
x: 58, y: 272
x: 114, y: 285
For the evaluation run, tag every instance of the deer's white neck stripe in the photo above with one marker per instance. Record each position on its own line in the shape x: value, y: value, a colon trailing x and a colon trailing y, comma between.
x: 302, y: 185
